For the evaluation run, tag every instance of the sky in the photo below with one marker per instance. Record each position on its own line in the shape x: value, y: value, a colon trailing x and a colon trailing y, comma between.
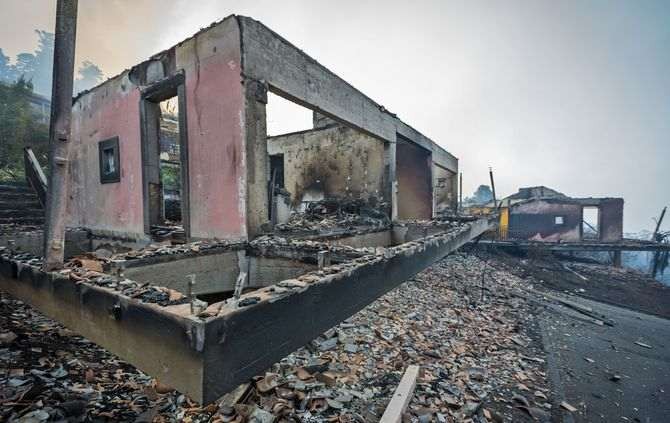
x: 574, y: 95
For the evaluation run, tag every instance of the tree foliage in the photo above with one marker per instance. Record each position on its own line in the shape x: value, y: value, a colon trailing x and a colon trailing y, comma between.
x: 90, y: 75
x: 482, y: 195
x: 19, y: 127
x: 37, y: 67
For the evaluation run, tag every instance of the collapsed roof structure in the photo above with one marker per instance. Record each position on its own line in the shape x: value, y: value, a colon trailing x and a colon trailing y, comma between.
x: 207, y: 309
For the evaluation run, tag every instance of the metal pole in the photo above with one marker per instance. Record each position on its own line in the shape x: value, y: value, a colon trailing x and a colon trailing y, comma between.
x: 657, y: 254
x: 493, y: 188
x: 658, y: 224
x: 59, y: 133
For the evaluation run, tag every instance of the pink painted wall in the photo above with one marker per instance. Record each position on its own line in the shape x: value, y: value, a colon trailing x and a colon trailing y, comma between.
x: 215, y: 122
x: 112, y: 110
x: 215, y: 113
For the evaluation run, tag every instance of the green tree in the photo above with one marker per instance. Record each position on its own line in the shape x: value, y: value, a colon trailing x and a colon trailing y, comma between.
x: 19, y: 127
x: 7, y: 72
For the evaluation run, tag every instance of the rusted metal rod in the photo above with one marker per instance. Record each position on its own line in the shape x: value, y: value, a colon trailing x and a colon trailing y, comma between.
x: 59, y: 133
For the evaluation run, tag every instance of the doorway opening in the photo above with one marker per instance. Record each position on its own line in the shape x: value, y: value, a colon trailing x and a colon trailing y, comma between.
x: 170, y: 162
x: 413, y: 173
x: 165, y: 160
x: 590, y: 223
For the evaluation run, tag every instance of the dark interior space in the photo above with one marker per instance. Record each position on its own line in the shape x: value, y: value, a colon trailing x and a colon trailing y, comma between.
x: 415, y: 199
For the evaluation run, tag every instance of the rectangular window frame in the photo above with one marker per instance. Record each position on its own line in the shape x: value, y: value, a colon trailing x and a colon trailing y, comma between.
x: 109, y: 144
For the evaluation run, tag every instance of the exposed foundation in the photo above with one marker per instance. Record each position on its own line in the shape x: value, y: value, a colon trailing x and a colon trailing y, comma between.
x: 293, y: 291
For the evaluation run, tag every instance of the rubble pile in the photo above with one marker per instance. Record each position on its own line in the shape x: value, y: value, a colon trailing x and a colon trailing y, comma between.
x: 474, y: 351
x: 465, y: 323
x: 337, y: 213
x: 17, y: 228
x: 89, y: 268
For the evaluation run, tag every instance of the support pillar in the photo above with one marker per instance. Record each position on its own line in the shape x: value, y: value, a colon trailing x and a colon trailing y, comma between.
x: 433, y: 182
x: 390, y: 181
x: 616, y: 258
x: 256, y: 156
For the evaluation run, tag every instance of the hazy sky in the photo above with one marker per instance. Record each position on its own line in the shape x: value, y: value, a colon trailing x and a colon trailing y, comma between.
x: 574, y: 95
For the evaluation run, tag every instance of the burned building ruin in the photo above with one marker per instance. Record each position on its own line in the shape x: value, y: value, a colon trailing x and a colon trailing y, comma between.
x: 232, y: 294
x: 543, y: 214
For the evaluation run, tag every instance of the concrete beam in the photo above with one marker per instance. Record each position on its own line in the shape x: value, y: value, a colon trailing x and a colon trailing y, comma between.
x: 241, y: 343
x: 579, y: 246
x: 256, y: 156
x: 293, y: 74
x: 207, y: 355
x: 155, y: 339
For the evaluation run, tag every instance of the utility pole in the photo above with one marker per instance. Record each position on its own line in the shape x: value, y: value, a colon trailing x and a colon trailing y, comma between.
x: 59, y: 133
x: 654, y: 264
x: 658, y: 224
x: 493, y: 188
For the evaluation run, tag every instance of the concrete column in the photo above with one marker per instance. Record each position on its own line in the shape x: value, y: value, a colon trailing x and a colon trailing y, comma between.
x: 455, y: 191
x: 616, y: 258
x: 256, y: 155
x: 433, y: 181
x: 390, y: 181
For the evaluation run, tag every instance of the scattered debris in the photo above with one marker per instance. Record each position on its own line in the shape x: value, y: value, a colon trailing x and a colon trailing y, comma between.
x: 642, y: 344
x: 568, y: 407
x: 334, y: 213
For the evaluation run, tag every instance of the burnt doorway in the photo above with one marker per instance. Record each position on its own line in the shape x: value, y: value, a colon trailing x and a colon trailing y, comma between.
x: 165, y: 160
x: 413, y: 173
x: 591, y: 223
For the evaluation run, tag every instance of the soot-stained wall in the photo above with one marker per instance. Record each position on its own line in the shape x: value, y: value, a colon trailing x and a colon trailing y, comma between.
x: 445, y: 188
x: 536, y: 220
x: 336, y: 160
x: 413, y: 174
x: 611, y: 219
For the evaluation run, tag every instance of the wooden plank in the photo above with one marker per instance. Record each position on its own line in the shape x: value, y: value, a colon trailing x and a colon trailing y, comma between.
x: 401, y: 396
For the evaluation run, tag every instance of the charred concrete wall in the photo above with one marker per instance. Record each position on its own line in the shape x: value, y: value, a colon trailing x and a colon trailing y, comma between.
x: 294, y: 75
x: 611, y: 219
x: 414, y: 177
x: 227, y: 70
x: 215, y: 108
x: 537, y: 220
x: 445, y: 188
x: 334, y: 160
